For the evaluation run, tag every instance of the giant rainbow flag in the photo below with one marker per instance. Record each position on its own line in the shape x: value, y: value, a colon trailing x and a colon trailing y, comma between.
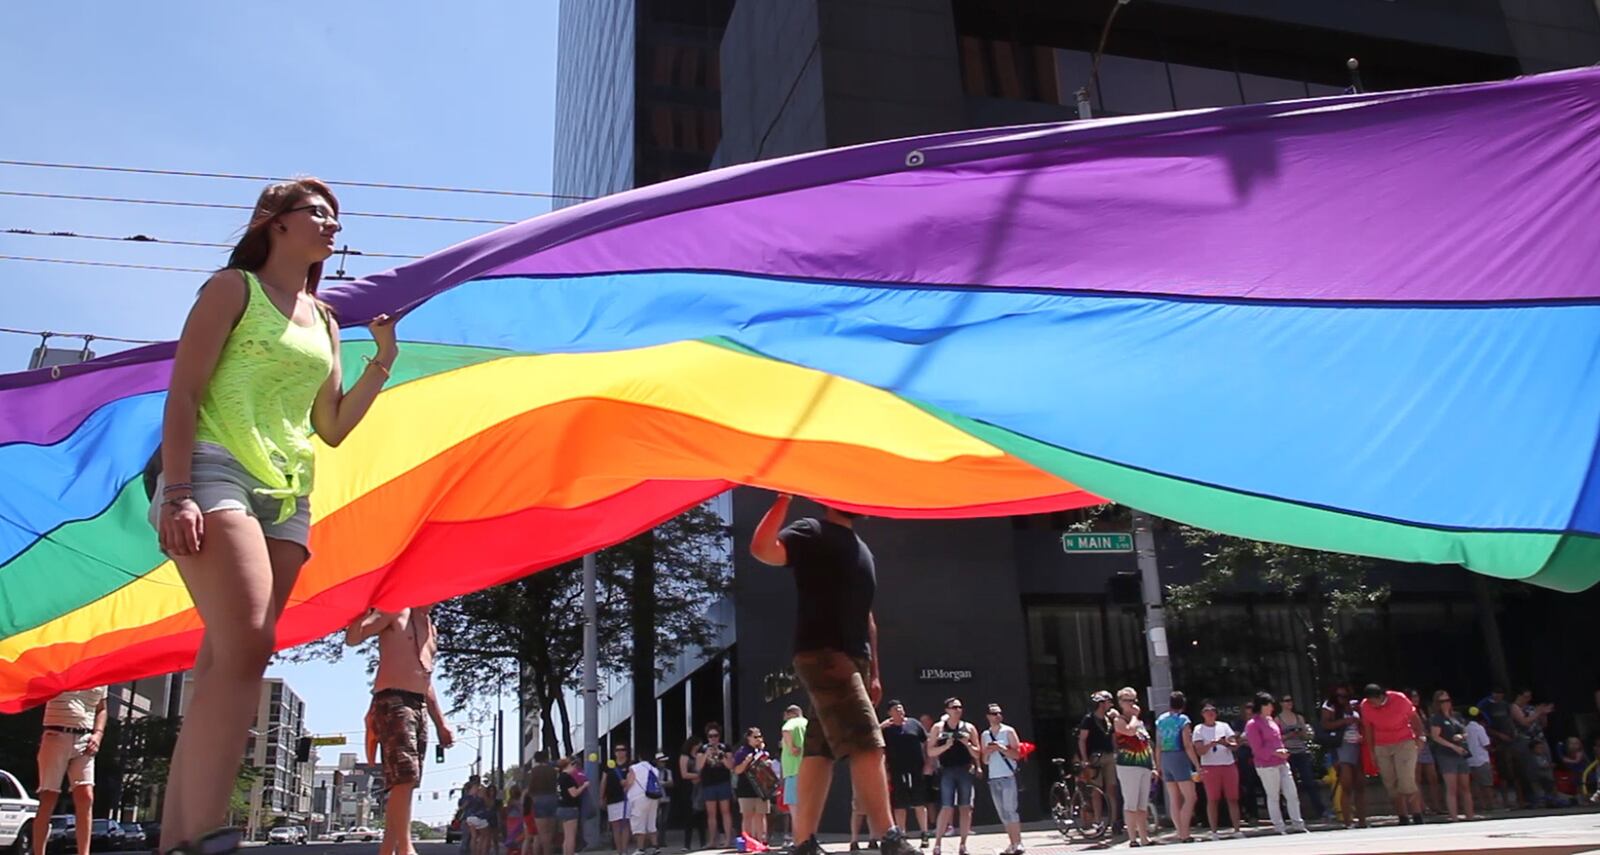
x: 1367, y: 323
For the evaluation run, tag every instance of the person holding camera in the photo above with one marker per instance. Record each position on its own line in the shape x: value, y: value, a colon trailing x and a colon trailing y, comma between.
x: 1341, y: 728
x: 1214, y: 741
x: 1002, y: 750
x: 753, y: 805
x: 714, y: 764
x: 1528, y: 722
x: 1136, y: 765
x: 954, y: 744
x: 1097, y: 753
x: 1297, y: 737
x: 1448, y: 733
x: 1265, y: 737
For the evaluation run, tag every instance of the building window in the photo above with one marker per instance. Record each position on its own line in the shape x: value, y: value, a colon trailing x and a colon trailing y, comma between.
x: 686, y: 129
x: 683, y: 66
x: 1000, y: 69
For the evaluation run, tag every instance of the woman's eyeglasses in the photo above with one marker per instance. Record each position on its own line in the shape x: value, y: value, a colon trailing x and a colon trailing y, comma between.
x: 321, y: 212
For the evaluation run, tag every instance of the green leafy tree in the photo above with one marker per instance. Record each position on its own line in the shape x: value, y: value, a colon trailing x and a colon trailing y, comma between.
x: 653, y: 591
x: 239, y: 799
x: 1321, y: 587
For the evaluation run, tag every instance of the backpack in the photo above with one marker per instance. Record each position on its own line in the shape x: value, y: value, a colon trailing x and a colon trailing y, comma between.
x: 652, y: 786
x: 762, y: 779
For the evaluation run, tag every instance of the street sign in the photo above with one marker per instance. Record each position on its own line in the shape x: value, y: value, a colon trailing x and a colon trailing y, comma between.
x: 1112, y: 541
x: 327, y: 740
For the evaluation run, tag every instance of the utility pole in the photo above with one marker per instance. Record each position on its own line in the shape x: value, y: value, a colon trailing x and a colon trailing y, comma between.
x: 500, y: 736
x: 1144, y: 539
x: 1155, y: 618
x: 591, y: 690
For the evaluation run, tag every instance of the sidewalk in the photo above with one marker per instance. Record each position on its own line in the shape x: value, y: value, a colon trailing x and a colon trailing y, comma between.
x: 1545, y: 832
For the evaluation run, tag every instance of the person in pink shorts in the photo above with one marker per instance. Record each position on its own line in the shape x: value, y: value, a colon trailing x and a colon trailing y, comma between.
x: 1214, y: 741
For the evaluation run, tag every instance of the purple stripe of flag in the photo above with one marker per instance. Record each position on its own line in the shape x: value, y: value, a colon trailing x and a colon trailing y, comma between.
x: 38, y: 409
x: 1477, y: 193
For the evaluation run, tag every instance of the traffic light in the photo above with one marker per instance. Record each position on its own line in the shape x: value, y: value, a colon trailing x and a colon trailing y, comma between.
x: 438, y: 752
x: 302, y: 750
x: 1126, y: 589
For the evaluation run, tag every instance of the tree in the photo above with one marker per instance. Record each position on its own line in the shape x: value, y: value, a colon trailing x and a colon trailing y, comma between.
x: 1321, y: 587
x: 239, y: 800
x: 142, y: 748
x: 653, y: 591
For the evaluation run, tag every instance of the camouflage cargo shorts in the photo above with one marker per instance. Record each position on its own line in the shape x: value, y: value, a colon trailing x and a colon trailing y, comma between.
x: 842, y: 721
x: 400, y: 722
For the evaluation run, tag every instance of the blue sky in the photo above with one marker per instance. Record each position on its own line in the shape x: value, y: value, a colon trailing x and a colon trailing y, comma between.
x: 458, y: 94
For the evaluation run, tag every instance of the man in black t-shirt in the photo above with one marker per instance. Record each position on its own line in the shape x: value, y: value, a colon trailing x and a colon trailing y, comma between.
x: 906, y: 742
x: 836, y: 659
x: 1096, y: 750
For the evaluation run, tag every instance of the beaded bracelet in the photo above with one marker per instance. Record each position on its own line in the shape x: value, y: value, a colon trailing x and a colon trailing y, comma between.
x: 373, y: 363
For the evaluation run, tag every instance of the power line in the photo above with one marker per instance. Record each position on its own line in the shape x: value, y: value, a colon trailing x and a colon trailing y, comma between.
x: 338, y: 275
x: 47, y: 334
x: 528, y: 194
x: 107, y: 264
x: 178, y: 204
x: 142, y: 238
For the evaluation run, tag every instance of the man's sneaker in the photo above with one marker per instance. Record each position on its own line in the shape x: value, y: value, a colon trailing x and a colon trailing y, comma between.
x: 895, y: 843
x: 1301, y: 828
x: 809, y: 847
x: 925, y: 838
x: 854, y: 846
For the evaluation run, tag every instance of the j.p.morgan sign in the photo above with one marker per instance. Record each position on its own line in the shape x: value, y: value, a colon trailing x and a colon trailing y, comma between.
x: 944, y: 675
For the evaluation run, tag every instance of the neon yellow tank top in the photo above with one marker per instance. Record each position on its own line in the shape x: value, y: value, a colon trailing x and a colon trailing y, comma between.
x: 258, y: 403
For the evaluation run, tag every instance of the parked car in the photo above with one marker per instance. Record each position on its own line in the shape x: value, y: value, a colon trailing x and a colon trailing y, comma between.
x: 17, y: 810
x: 105, y: 835
x: 360, y: 832
x: 452, y: 832
x: 133, y: 838
x: 63, y: 834
x: 152, y: 835
x: 289, y: 834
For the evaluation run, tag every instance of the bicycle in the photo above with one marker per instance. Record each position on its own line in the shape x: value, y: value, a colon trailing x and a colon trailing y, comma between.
x: 1078, y: 805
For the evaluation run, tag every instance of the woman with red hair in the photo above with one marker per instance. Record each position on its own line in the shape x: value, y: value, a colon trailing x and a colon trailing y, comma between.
x: 256, y: 370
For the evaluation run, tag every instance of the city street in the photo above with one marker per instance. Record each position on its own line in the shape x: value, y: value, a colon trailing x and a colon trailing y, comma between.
x: 318, y: 847
x: 1544, y: 835
x: 1558, y: 834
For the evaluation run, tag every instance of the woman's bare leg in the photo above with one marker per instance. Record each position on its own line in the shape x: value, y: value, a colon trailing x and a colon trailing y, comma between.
x: 231, y: 582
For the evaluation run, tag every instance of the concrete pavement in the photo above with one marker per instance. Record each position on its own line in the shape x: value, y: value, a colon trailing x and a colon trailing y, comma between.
x: 1564, y: 833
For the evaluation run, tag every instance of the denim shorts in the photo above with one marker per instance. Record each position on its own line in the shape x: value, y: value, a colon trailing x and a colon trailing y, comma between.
x: 1176, y: 767
x: 955, y: 787
x: 544, y: 807
x: 222, y: 484
x: 566, y: 813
